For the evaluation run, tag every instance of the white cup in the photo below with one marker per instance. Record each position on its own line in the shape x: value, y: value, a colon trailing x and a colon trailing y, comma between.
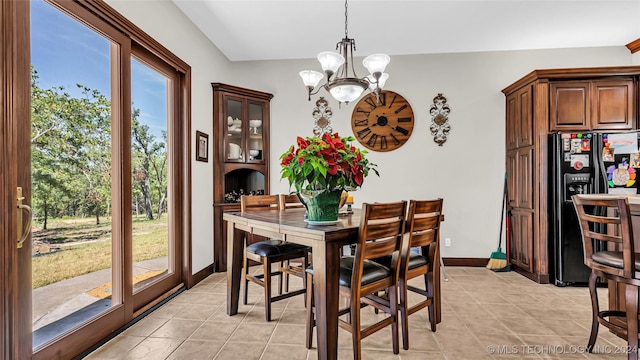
x: 234, y: 151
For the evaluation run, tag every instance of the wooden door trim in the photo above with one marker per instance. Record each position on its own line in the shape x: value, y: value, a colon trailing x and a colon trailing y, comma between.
x: 14, y: 109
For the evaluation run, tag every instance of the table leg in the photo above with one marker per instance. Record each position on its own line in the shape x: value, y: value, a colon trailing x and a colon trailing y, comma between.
x: 326, y: 265
x: 235, y: 239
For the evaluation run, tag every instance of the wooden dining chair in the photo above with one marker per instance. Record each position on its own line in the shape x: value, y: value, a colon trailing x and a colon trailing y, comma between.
x: 423, y: 231
x: 361, y: 279
x: 287, y: 267
x: 606, y: 218
x: 268, y: 252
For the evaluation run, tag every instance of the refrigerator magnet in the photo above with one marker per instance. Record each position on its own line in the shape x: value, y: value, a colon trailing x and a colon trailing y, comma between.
x: 576, y: 146
x: 579, y: 161
x: 635, y: 160
x: 585, y: 145
x: 607, y: 154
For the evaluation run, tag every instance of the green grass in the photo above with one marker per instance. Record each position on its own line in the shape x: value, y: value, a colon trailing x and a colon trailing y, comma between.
x: 86, y: 247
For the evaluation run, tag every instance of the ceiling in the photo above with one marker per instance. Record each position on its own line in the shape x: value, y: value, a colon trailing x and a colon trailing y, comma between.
x: 299, y: 29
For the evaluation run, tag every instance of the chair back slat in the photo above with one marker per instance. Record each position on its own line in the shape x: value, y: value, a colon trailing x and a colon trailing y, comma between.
x: 259, y: 202
x: 606, y: 219
x: 381, y: 229
x: 290, y: 201
x: 604, y: 237
x: 423, y: 228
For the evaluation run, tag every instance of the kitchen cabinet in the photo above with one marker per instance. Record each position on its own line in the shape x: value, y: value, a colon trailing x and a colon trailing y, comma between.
x: 520, y: 118
x: 520, y: 178
x: 592, y: 105
x: 521, y: 249
x: 240, y: 155
x: 539, y: 103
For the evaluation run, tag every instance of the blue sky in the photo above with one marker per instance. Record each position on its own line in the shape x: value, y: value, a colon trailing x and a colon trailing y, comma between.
x: 64, y: 52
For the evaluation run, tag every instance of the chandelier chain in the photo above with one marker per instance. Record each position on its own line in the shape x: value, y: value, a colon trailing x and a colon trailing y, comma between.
x: 346, y: 22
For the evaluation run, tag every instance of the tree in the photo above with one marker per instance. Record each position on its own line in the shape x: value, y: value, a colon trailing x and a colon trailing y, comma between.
x: 70, y: 136
x: 149, y: 164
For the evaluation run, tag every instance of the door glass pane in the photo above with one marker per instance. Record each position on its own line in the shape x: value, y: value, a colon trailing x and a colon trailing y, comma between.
x: 71, y: 172
x: 150, y: 195
x: 234, y: 130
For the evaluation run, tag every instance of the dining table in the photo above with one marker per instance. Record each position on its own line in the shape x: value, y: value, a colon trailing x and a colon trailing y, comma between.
x: 326, y: 242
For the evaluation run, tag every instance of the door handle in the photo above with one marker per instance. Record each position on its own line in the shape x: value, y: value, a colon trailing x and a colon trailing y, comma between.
x: 23, y: 231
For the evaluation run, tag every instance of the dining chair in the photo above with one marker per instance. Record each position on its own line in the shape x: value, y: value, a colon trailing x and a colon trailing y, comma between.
x: 606, y: 219
x: 287, y: 267
x: 423, y: 231
x: 361, y: 279
x: 268, y: 252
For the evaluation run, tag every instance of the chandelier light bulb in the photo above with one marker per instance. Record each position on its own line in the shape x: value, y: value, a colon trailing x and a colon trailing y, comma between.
x: 346, y: 93
x: 330, y: 61
x: 311, y: 78
x: 376, y: 63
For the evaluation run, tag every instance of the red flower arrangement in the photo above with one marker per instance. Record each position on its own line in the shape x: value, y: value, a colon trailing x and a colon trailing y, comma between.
x: 326, y: 163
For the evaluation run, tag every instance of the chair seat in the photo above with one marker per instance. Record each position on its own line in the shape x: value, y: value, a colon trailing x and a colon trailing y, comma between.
x: 613, y: 259
x: 268, y: 248
x: 415, y: 261
x: 371, y: 272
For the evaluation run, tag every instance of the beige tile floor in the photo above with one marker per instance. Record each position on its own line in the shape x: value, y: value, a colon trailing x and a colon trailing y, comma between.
x: 485, y: 315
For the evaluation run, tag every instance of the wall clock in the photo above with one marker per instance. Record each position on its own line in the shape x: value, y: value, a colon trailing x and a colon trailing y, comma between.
x: 384, y: 124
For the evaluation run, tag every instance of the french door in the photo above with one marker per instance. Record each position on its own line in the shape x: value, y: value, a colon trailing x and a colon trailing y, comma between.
x: 102, y: 169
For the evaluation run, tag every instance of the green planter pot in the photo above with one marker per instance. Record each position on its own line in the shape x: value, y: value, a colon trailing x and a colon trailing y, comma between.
x: 322, y: 205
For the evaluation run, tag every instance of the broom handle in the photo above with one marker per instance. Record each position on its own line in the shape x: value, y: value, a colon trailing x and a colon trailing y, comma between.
x: 504, y: 200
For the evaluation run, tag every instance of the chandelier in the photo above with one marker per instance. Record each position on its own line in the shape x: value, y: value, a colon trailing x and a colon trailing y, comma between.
x: 342, y: 81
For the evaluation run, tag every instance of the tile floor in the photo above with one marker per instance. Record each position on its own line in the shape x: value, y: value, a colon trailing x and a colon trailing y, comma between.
x: 485, y: 315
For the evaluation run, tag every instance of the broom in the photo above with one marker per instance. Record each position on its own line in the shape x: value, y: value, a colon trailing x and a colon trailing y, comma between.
x: 498, y: 259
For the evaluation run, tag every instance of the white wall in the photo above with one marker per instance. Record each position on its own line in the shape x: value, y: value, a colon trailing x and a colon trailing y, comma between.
x: 467, y: 171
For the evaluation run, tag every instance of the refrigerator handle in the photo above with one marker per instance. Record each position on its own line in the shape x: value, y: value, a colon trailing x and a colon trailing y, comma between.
x: 600, y: 173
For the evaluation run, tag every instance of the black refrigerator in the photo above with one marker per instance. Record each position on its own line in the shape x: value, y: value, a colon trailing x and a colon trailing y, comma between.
x: 584, y: 163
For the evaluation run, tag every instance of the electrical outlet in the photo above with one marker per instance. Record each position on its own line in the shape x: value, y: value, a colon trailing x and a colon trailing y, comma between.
x: 447, y: 241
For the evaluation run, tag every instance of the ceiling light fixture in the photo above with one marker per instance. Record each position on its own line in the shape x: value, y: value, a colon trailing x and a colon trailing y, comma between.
x: 346, y: 87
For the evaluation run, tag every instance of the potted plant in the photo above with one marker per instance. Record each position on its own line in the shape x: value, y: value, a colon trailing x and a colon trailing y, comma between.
x: 321, y: 168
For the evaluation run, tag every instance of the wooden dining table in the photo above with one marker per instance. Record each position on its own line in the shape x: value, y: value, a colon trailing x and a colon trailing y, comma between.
x: 326, y: 242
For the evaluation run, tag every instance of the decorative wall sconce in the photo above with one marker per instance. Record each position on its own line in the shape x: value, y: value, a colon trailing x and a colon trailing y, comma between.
x: 322, y: 113
x: 439, y: 116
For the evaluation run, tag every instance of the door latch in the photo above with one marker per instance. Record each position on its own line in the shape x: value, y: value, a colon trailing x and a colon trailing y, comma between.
x: 23, y: 231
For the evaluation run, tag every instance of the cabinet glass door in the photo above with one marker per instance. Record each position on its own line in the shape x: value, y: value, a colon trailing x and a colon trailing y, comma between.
x: 255, y: 139
x: 235, y: 126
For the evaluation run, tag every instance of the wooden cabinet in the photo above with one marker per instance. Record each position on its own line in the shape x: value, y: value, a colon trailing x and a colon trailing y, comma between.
x: 520, y: 178
x: 520, y: 118
x: 240, y: 155
x: 521, y: 231
x: 519, y: 172
x: 592, y: 105
x: 520, y: 205
x: 613, y: 104
x: 542, y: 102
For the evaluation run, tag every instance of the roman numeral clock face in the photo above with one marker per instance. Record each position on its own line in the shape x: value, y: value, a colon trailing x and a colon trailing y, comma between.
x: 384, y: 124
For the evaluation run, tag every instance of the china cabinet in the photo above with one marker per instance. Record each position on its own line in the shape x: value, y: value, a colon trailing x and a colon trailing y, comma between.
x: 240, y: 155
